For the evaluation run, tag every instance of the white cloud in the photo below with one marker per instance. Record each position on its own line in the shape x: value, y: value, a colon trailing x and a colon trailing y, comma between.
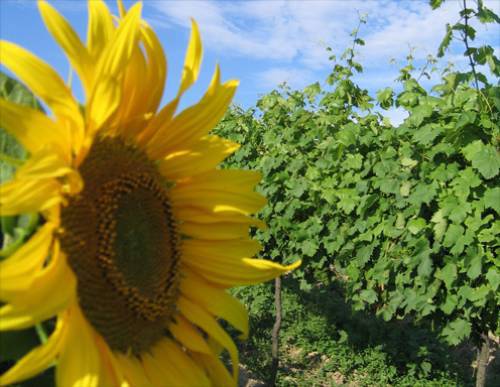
x: 419, y: 28
x: 277, y: 30
x: 292, y: 35
x: 286, y: 30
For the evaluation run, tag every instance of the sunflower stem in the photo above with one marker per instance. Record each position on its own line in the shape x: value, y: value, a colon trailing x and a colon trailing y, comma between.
x: 42, y: 335
x: 483, y: 356
x: 275, y: 333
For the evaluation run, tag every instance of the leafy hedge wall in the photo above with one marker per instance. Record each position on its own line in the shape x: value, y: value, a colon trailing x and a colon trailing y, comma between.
x: 406, y: 217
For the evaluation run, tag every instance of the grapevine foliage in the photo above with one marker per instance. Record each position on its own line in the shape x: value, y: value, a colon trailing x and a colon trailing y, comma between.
x: 406, y: 217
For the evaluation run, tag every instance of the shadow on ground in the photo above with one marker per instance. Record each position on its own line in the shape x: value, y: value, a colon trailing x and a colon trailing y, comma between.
x: 326, y: 342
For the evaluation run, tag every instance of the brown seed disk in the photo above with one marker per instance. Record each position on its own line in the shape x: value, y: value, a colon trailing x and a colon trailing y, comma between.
x: 121, y: 242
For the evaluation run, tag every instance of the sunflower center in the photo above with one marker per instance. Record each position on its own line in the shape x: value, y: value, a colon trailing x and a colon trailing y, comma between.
x: 121, y: 242
x: 141, y: 242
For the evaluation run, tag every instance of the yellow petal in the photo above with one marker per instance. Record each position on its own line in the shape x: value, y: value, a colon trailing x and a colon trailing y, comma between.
x: 201, y: 157
x: 188, y: 335
x: 226, y: 180
x: 100, y: 27
x: 215, y: 369
x: 191, y: 69
x: 238, y: 271
x: 79, y: 361
x: 215, y: 346
x: 157, y: 122
x: 106, y: 94
x: 69, y: 41
x: 45, y: 163
x: 33, y: 129
x: 161, y: 374
x: 18, y: 271
x: 111, y: 374
x: 228, y: 249
x: 121, y: 8
x: 157, y: 66
x: 133, y: 370
x: 194, y: 122
x: 39, y: 358
x: 190, y: 214
x: 221, y: 202
x: 215, y: 231
x: 119, y: 50
x: 45, y: 83
x: 35, y: 187
x: 29, y: 195
x: 45, y: 298
x: 167, y: 351
x: 105, y: 99
x: 135, y: 88
x: 143, y: 84
x: 192, y: 62
x: 216, y: 301
x: 197, y: 315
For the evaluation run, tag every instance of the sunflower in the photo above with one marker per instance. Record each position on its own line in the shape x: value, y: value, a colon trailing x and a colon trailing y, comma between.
x: 142, y: 234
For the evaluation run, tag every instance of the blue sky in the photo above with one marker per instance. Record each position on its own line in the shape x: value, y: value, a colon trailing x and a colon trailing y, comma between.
x: 264, y: 43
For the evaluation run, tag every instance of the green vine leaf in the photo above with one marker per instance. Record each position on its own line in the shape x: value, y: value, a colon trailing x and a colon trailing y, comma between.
x: 483, y: 157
